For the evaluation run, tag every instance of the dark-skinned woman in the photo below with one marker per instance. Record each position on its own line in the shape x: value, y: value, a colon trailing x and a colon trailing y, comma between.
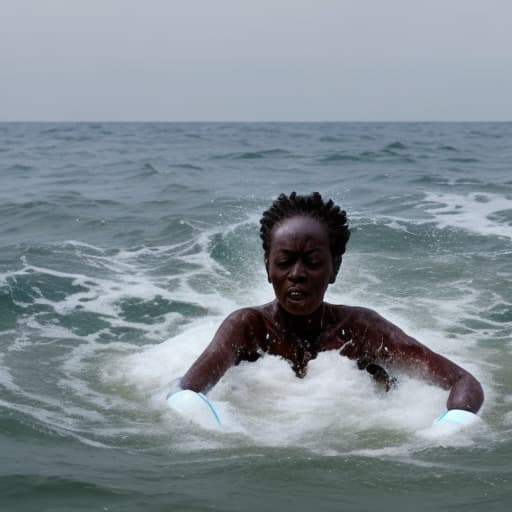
x: 304, y: 239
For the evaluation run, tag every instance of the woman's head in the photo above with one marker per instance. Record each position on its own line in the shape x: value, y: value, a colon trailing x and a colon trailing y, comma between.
x: 313, y: 206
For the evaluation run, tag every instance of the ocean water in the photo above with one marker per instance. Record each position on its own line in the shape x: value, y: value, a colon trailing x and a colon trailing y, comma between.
x: 122, y: 247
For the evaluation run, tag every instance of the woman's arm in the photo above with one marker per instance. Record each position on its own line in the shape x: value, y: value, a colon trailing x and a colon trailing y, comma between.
x: 228, y: 347
x: 465, y: 391
x: 392, y: 346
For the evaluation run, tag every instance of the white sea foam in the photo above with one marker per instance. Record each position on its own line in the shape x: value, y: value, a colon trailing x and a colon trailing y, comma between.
x: 472, y: 212
x: 336, y: 409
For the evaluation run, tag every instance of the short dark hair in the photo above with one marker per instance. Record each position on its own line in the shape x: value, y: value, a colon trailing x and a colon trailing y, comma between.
x: 312, y: 205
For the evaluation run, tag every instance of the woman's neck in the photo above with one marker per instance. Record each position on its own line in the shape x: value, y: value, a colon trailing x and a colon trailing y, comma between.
x: 307, y: 327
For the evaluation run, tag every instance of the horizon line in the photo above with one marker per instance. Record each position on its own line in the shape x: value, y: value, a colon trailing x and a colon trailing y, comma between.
x: 310, y: 121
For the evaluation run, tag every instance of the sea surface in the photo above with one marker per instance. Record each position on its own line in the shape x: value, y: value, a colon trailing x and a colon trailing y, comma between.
x: 122, y: 248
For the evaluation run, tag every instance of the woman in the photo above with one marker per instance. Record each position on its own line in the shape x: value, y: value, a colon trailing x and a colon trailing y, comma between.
x: 304, y: 240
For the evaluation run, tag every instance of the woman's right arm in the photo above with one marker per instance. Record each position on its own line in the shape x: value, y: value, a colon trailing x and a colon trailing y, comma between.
x: 233, y: 339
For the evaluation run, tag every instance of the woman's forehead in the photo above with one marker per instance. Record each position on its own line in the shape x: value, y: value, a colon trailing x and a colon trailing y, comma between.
x: 300, y: 228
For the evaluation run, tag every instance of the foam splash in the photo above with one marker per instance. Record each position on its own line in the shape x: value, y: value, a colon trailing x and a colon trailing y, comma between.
x: 474, y: 212
x: 481, y: 213
x: 116, y: 387
x: 336, y: 409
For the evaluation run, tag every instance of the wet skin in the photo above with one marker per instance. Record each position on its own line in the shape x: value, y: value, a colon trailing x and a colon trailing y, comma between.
x: 298, y: 324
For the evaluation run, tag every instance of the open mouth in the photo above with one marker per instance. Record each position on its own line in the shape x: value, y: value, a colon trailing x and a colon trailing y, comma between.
x: 296, y: 295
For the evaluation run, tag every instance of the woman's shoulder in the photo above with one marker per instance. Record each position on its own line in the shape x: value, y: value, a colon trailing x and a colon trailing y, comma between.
x: 376, y: 330
x: 250, y: 312
x: 248, y: 317
x: 353, y: 314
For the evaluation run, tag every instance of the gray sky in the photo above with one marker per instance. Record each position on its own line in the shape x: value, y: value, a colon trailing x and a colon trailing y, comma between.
x: 236, y: 60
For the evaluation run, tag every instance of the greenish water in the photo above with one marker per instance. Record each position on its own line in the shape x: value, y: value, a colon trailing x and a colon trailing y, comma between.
x: 124, y: 245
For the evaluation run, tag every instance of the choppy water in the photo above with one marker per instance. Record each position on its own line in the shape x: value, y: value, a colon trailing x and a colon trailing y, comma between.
x: 124, y: 245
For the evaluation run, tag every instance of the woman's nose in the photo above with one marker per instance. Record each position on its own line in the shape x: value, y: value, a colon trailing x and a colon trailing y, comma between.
x: 297, y: 272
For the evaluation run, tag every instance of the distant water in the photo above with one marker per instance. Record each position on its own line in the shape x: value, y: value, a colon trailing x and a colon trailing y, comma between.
x: 124, y: 245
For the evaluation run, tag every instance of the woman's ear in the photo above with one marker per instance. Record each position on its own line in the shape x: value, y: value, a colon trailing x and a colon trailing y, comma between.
x: 336, y: 264
x: 266, y: 269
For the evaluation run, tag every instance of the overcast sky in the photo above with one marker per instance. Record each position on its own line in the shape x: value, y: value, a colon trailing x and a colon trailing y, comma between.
x: 236, y: 60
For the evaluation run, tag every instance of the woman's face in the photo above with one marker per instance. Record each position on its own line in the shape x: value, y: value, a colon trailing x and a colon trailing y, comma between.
x: 299, y: 264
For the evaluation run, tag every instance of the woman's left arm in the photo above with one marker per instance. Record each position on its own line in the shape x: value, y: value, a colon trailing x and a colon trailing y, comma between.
x: 394, y: 347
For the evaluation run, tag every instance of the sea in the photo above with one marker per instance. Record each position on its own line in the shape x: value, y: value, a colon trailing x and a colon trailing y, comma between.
x: 124, y: 245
